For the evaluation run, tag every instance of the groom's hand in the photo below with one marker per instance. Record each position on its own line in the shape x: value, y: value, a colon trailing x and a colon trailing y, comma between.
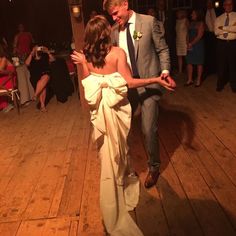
x: 168, y: 79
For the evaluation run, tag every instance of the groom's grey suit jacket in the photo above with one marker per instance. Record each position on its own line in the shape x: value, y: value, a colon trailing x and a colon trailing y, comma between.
x: 151, y: 50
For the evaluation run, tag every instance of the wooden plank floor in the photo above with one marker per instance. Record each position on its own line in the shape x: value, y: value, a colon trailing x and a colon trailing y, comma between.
x: 49, y: 170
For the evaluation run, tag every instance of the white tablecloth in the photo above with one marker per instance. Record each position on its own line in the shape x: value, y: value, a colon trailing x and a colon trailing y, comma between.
x: 24, y: 85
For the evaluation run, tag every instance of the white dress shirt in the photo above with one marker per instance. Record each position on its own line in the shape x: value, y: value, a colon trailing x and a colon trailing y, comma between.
x: 210, y: 19
x: 230, y: 29
x: 123, y: 37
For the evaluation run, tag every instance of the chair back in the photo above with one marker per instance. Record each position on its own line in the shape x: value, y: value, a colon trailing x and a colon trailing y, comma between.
x: 8, y: 87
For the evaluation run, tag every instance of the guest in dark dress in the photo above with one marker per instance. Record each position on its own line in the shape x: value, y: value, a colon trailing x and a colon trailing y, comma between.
x: 60, y: 80
x: 195, y: 46
x: 38, y: 64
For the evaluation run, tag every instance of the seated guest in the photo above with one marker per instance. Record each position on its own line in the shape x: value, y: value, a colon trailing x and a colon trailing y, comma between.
x: 38, y: 64
x: 6, y: 68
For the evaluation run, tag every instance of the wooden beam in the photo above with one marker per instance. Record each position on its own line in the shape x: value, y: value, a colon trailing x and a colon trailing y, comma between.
x: 77, y: 24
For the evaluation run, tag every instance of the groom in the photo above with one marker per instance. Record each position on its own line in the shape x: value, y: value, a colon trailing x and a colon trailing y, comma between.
x: 142, y: 38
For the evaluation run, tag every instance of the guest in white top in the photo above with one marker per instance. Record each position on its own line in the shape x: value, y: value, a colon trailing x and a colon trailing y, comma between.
x: 181, y: 28
x: 225, y: 31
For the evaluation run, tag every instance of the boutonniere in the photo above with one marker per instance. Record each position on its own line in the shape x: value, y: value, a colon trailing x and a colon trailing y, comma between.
x: 137, y: 35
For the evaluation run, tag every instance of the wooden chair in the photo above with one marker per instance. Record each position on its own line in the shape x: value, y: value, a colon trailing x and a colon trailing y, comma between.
x: 73, y: 73
x: 13, y: 92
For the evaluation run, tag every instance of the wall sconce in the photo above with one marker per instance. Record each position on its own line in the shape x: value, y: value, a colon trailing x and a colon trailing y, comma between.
x: 76, y: 8
x: 76, y: 11
x: 217, y: 4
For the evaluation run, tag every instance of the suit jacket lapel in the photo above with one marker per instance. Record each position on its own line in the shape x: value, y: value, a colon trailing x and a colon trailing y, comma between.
x: 138, y: 28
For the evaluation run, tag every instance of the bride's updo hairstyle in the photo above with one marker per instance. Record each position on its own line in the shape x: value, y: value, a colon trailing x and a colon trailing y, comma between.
x: 97, y: 40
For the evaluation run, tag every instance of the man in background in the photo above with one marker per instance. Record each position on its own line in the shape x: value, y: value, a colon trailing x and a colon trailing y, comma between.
x: 225, y: 31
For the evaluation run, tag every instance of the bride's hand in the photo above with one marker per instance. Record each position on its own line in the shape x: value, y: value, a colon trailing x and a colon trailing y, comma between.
x: 78, y: 57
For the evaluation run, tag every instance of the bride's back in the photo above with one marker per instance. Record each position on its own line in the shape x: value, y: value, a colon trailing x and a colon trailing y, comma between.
x: 110, y: 65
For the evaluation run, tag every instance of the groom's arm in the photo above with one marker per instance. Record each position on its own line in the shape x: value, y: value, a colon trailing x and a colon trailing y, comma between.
x: 162, y: 50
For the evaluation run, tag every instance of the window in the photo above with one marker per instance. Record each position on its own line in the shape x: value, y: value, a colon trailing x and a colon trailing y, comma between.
x: 182, y: 4
x: 141, y: 6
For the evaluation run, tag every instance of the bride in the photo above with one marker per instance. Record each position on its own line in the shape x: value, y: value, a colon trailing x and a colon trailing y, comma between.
x: 106, y: 76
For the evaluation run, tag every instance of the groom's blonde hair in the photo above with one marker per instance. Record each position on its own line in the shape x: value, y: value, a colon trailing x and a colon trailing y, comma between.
x: 108, y: 4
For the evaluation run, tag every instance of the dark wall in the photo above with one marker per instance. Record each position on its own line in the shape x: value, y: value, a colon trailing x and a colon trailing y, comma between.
x: 47, y: 20
x: 89, y: 6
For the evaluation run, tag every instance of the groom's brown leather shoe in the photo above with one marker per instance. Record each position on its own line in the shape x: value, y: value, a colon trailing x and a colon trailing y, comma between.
x: 151, y: 179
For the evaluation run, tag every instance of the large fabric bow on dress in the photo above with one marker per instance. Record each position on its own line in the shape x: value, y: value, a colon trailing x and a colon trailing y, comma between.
x: 111, y: 117
x: 102, y: 92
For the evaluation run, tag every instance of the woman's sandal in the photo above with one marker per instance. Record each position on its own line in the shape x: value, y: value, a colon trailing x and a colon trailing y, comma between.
x: 188, y: 83
x: 34, y: 98
x: 198, y: 84
x: 43, y: 109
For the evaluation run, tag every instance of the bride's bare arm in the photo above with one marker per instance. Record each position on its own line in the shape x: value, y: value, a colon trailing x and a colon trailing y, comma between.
x: 124, y: 70
x: 79, y: 58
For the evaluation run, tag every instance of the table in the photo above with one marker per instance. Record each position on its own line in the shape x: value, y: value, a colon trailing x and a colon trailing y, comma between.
x: 24, y: 85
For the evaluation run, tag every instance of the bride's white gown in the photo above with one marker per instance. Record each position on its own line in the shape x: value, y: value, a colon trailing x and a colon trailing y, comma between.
x: 111, y: 117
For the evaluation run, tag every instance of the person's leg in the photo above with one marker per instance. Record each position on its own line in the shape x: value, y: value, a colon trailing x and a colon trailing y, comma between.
x: 199, y: 75
x: 150, y: 112
x: 207, y: 52
x: 232, y: 65
x: 42, y: 97
x: 41, y: 84
x: 221, y: 64
x: 190, y: 74
x: 180, y: 64
x: 212, y: 53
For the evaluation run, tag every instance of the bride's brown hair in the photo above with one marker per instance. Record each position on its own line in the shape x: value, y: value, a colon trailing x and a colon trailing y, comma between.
x: 97, y: 40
